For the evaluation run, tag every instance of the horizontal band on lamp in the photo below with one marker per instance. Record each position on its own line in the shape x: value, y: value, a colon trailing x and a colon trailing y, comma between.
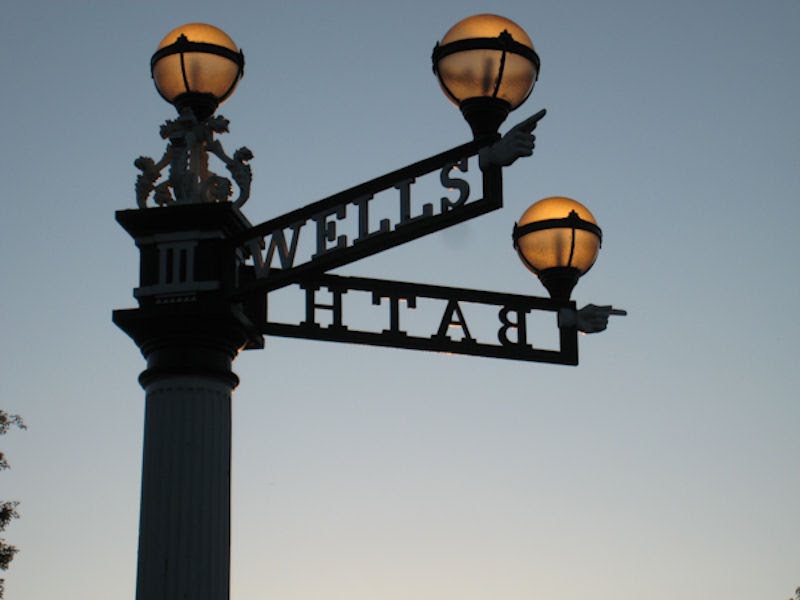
x: 504, y: 43
x: 183, y: 45
x: 573, y: 221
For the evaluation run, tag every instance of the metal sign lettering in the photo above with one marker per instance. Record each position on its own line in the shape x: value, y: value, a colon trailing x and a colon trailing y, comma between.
x: 273, y: 245
x: 324, y: 318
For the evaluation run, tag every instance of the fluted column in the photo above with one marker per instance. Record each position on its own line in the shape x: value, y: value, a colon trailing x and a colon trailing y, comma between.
x: 185, y: 506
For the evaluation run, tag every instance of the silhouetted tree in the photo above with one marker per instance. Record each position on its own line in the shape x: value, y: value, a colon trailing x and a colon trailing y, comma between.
x: 8, y: 509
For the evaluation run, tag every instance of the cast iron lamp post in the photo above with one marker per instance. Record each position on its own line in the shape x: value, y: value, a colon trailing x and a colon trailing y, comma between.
x: 205, y: 272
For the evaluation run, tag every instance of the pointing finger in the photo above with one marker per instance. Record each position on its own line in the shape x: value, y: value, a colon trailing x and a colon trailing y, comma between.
x: 529, y: 124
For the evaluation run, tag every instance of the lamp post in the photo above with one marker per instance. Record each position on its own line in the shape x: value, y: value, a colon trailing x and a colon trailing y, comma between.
x: 186, y: 328
x: 206, y: 271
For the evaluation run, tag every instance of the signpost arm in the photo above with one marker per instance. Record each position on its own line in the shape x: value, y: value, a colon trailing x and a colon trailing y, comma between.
x: 417, y: 169
x: 511, y: 336
x: 254, y: 240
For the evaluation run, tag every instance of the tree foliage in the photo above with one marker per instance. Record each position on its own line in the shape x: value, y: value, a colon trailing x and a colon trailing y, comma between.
x: 8, y: 509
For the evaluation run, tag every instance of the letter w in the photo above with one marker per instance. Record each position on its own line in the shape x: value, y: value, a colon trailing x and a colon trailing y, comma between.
x: 286, y: 253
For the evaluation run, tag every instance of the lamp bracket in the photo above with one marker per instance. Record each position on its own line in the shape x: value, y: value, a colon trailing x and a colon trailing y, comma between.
x: 189, y: 180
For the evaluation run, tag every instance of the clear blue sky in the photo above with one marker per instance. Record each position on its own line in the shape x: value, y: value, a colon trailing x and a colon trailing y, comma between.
x: 664, y: 467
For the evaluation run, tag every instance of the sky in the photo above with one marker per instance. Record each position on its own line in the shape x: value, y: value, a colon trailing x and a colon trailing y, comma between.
x: 664, y: 467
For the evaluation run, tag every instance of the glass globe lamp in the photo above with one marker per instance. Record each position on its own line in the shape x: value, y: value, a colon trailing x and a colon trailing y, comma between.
x: 197, y: 66
x: 487, y: 66
x: 558, y: 239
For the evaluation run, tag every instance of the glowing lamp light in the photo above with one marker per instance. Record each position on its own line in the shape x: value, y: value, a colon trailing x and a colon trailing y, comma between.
x: 487, y: 66
x: 558, y: 239
x: 197, y: 66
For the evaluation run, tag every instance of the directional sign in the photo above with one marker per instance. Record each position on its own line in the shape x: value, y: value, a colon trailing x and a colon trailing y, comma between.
x: 325, y: 317
x: 273, y: 245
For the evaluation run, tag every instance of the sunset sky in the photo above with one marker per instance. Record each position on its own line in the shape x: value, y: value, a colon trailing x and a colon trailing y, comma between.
x: 664, y: 467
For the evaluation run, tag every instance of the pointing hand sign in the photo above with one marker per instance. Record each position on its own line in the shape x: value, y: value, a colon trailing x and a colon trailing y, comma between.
x: 590, y: 319
x: 518, y: 142
x: 529, y: 124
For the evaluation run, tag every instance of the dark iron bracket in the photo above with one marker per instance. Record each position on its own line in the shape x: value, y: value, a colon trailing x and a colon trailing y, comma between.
x: 513, y: 334
x: 277, y: 238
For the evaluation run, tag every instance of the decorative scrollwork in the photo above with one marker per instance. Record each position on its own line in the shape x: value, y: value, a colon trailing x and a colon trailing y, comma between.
x: 189, y: 179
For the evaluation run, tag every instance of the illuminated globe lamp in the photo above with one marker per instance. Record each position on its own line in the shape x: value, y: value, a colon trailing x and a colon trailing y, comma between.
x: 558, y: 239
x: 197, y: 66
x: 487, y: 66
